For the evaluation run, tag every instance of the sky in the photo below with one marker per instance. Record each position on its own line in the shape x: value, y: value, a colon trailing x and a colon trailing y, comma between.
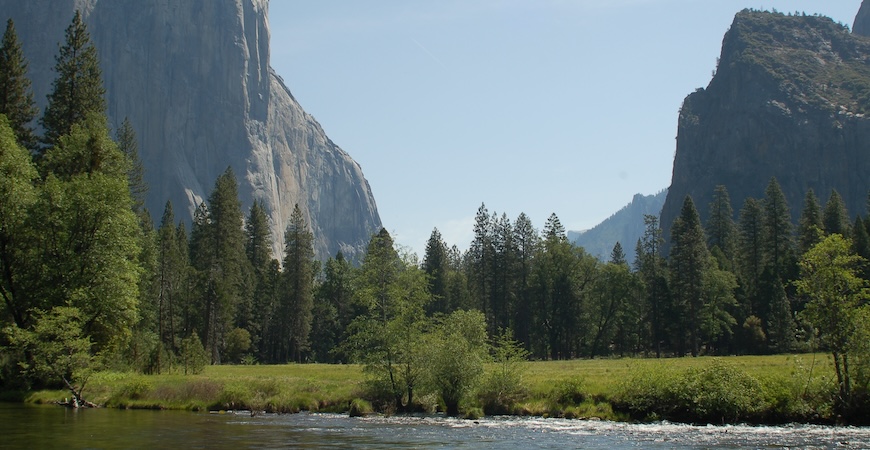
x: 536, y: 106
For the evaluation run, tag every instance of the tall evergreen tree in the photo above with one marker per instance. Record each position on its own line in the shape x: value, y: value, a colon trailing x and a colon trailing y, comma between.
x: 750, y: 256
x: 125, y: 136
x: 16, y: 97
x: 835, y: 218
x: 333, y: 310
x: 258, y: 248
x: 171, y: 274
x: 436, y: 266
x: 297, y: 299
x: 689, y: 261
x: 721, y: 231
x: 504, y: 265
x: 480, y: 262
x: 617, y: 255
x: 526, y: 242
x: 78, y: 89
x: 218, y: 253
x: 653, y: 273
x: 778, y: 242
x: 810, y: 224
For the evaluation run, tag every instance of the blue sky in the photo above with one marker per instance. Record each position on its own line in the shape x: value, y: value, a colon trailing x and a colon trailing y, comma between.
x: 527, y: 106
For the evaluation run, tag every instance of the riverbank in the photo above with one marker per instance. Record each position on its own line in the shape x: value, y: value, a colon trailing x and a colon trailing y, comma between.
x: 759, y: 389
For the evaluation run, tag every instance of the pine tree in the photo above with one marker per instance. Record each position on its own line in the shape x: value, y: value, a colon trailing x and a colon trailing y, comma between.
x: 125, y: 136
x: 750, y: 254
x: 617, y: 256
x: 776, y: 222
x: 810, y: 224
x: 651, y: 268
x: 333, y: 310
x: 171, y: 271
x: 526, y: 242
x: 298, y: 294
x: 16, y: 97
x: 435, y: 265
x: 218, y: 252
x: 78, y: 89
x: 480, y: 253
x: 258, y: 248
x: 721, y: 231
x: 689, y: 260
x: 835, y: 218
x: 503, y: 269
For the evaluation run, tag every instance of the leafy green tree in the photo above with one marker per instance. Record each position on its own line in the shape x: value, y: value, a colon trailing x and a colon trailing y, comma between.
x: 297, y: 298
x: 563, y: 277
x: 78, y: 89
x: 91, y: 240
x: 829, y: 278
x: 387, y: 336
x: 611, y: 297
x: 718, y: 303
x: 689, y: 262
x: 458, y: 352
x: 835, y: 218
x: 721, y: 230
x: 504, y: 386
x: 810, y: 224
x: 56, y: 350
x: 16, y: 97
x: 18, y: 238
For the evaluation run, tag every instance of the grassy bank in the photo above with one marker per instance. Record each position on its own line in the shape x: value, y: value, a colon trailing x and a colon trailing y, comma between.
x: 750, y: 388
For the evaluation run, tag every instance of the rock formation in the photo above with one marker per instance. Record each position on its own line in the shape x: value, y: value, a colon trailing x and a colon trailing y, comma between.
x: 788, y: 100
x: 193, y: 77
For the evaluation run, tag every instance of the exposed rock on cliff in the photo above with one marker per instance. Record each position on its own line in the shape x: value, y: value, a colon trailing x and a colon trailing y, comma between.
x: 194, y: 78
x: 788, y: 100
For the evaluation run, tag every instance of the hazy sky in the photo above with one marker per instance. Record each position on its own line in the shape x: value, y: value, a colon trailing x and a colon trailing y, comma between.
x: 535, y: 106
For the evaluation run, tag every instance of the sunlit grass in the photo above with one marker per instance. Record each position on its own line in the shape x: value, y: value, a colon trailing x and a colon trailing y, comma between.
x: 573, y: 389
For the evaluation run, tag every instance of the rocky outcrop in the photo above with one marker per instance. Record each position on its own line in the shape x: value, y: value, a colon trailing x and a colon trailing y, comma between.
x: 624, y: 226
x: 193, y: 77
x: 862, y: 20
x: 788, y: 100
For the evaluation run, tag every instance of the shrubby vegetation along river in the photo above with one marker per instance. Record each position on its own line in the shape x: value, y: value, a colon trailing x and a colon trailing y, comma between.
x: 25, y: 426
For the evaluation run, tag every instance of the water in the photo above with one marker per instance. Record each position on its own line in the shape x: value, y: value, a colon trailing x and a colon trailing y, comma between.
x: 56, y: 427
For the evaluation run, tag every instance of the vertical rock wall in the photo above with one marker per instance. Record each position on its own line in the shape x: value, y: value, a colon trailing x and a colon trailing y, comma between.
x: 193, y: 77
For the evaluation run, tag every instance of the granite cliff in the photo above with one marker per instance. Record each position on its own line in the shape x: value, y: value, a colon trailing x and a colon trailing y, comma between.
x: 193, y: 76
x: 789, y: 100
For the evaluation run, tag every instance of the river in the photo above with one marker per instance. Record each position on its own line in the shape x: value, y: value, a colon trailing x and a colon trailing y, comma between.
x: 55, y: 427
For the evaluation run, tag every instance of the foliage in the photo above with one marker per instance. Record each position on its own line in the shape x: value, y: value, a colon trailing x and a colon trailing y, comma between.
x: 457, y: 354
x: 193, y: 356
x: 836, y: 300
x: 78, y: 90
x: 16, y: 97
x: 503, y: 387
x: 56, y: 350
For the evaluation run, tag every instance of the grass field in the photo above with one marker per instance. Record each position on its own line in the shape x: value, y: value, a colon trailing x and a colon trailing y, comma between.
x: 321, y: 387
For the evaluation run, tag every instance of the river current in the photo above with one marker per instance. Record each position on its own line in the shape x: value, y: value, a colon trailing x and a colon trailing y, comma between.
x: 56, y: 427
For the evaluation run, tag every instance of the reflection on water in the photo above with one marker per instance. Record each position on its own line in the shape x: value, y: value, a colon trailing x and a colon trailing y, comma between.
x: 56, y: 427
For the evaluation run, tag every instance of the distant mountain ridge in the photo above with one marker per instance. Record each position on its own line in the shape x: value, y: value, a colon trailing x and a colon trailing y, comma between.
x: 624, y: 226
x: 790, y: 99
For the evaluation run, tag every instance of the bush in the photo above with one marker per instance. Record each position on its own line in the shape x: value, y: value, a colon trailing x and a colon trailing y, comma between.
x: 359, y: 407
x: 717, y: 393
x: 568, y: 392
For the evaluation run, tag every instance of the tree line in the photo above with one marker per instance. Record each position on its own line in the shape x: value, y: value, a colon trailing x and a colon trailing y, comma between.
x: 85, y: 275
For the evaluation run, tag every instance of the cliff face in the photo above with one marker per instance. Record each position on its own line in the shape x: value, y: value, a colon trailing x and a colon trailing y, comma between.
x: 193, y: 77
x: 788, y: 101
